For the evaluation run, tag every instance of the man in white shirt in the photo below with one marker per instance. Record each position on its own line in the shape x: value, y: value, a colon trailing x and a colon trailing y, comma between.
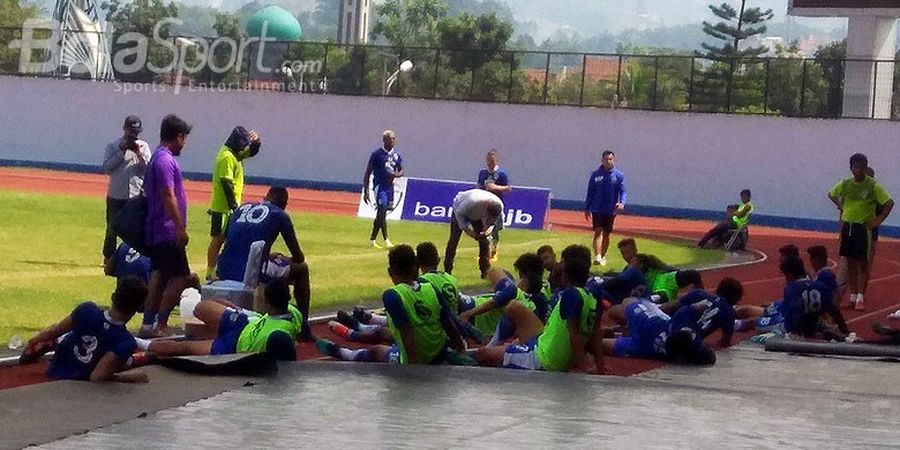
x: 125, y: 161
x: 475, y: 212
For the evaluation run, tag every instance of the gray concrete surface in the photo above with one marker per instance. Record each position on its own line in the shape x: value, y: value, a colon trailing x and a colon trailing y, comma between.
x: 46, y: 412
x: 751, y: 399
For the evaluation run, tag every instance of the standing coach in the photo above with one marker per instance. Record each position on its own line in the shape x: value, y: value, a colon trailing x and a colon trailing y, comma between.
x: 606, y: 197
x: 494, y: 180
x: 125, y: 161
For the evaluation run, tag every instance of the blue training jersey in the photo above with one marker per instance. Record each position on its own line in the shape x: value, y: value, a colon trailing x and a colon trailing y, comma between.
x: 384, y: 164
x: 827, y: 277
x: 128, y: 262
x: 93, y: 335
x: 605, y: 189
x: 649, y: 328
x: 803, y: 304
x: 498, y: 177
x: 708, y: 312
x: 249, y: 223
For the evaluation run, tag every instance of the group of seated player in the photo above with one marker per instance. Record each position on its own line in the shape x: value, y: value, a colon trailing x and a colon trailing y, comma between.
x: 549, y: 320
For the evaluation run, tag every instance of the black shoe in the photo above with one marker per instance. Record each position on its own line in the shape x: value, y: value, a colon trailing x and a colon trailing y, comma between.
x: 830, y: 334
x: 327, y: 348
x: 360, y: 314
x: 344, y: 318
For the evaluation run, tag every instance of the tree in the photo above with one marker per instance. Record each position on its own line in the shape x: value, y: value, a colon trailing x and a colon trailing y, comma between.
x: 831, y: 59
x: 485, y: 35
x: 409, y: 23
x: 320, y: 24
x: 736, y: 26
x: 142, y: 16
x: 13, y: 14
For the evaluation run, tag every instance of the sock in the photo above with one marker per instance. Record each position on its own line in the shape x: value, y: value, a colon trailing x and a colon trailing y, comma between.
x: 859, y: 298
x: 378, y: 320
x: 354, y: 355
x: 162, y: 319
x: 363, y: 328
x: 143, y: 344
x: 149, y: 318
x: 853, y: 298
x: 341, y: 330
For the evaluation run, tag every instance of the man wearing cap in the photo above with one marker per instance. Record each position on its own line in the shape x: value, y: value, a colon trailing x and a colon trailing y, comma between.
x: 125, y: 161
x: 228, y: 188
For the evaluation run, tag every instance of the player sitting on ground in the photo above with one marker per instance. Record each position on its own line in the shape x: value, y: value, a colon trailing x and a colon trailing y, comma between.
x: 421, y: 324
x: 654, y: 335
x: 798, y: 314
x: 126, y: 261
x: 666, y: 284
x: 272, y: 330
x: 528, y: 292
x: 264, y: 221
x: 362, y: 326
x: 572, y: 331
x: 548, y: 259
x: 710, y: 312
x: 95, y: 344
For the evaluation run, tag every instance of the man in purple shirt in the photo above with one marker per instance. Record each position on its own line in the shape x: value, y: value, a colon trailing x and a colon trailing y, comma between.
x: 605, y: 198
x: 166, y: 227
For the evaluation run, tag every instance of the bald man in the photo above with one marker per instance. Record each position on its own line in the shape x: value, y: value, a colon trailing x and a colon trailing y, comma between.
x: 385, y: 164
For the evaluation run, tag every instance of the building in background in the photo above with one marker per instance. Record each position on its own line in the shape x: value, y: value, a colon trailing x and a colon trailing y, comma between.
x: 353, y: 21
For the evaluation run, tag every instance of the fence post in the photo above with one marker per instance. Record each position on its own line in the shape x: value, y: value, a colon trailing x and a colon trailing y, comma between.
x: 362, y: 71
x: 766, y: 88
x: 512, y: 63
x: 803, y: 90
x: 437, y: 65
x: 691, y: 86
x: 583, y: 72
x: 325, y: 69
x: 874, y: 88
x: 472, y: 84
x: 546, y: 78
x: 619, y: 82
x: 655, y: 80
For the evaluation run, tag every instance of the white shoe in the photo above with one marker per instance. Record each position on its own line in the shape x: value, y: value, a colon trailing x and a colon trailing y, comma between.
x: 601, y: 261
x: 894, y: 315
x: 374, y: 244
x: 388, y: 243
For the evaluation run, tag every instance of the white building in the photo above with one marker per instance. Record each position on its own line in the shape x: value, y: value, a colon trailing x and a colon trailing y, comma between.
x: 353, y: 21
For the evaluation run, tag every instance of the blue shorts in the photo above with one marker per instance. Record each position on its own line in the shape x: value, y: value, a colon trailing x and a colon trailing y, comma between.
x: 772, y: 320
x: 384, y: 196
x: 231, y: 324
x: 522, y: 356
x: 275, y: 268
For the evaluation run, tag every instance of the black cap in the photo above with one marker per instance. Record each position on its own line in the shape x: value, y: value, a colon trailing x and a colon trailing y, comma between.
x: 133, y: 123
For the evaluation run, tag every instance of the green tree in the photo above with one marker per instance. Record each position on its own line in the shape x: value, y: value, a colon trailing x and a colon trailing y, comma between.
x: 320, y: 24
x: 409, y: 23
x: 485, y: 36
x: 142, y: 16
x: 13, y: 14
x: 735, y: 26
x: 831, y: 59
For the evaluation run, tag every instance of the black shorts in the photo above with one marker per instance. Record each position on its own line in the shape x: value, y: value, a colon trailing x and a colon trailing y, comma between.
x: 603, y: 221
x: 218, y: 223
x: 856, y: 241
x: 169, y: 259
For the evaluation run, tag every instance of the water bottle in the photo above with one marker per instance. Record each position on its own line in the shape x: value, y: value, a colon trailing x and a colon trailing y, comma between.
x: 15, y: 342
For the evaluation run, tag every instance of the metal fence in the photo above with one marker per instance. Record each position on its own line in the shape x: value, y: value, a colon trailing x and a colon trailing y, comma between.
x: 794, y: 87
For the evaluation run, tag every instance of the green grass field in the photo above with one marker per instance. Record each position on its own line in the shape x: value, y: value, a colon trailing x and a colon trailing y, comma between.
x: 51, y: 256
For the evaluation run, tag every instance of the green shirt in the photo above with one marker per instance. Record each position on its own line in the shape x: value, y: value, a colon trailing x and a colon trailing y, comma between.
x: 663, y: 282
x: 487, y: 322
x: 860, y: 199
x: 554, y: 346
x: 424, y: 311
x: 227, y: 168
x: 256, y: 334
x: 446, y: 285
x: 741, y: 222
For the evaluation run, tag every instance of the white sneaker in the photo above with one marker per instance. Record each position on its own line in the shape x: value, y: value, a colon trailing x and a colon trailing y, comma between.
x: 388, y: 243
x: 602, y: 262
x: 598, y: 259
x: 894, y: 315
x: 374, y: 244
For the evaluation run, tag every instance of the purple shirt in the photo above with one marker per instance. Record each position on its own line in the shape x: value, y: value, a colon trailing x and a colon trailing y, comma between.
x: 163, y: 172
